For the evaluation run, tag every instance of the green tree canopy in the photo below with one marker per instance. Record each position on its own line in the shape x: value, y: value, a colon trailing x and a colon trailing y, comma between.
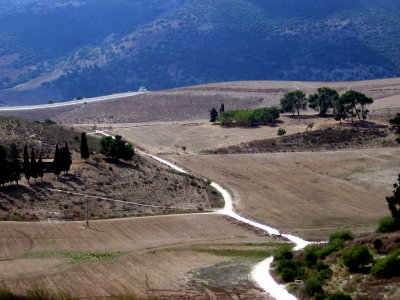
x: 353, y: 104
x: 395, y: 123
x: 116, y: 147
x: 294, y: 102
x: 323, y: 100
x: 4, y: 171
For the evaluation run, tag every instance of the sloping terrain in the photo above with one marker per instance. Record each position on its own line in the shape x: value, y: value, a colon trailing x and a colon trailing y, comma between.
x: 43, y: 138
x: 136, y: 256
x: 94, y: 48
x: 195, y: 102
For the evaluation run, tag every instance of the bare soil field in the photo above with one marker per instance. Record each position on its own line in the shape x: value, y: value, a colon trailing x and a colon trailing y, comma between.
x: 305, y: 193
x: 193, y: 103
x: 163, y: 255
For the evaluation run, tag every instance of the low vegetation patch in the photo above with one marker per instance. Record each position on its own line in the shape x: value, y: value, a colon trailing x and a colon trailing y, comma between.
x: 325, y: 139
x: 75, y: 256
x: 248, y: 118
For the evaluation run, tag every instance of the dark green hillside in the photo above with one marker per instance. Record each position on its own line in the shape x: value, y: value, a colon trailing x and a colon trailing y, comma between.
x: 197, y: 41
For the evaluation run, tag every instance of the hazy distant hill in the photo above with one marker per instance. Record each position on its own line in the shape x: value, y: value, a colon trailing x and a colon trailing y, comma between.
x: 60, y: 49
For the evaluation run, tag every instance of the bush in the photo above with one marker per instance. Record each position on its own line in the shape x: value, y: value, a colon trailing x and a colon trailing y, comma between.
x: 310, y: 255
x: 333, y: 246
x: 388, y: 266
x: 6, y: 295
x: 339, y: 296
x: 388, y: 224
x: 281, y: 131
x: 287, y: 264
x: 378, y: 244
x: 356, y: 256
x: 345, y: 235
x: 312, y: 286
x: 288, y: 274
x: 283, y: 253
x: 260, y: 116
x: 116, y: 147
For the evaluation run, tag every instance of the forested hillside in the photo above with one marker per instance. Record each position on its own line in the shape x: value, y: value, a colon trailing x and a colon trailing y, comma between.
x: 96, y: 47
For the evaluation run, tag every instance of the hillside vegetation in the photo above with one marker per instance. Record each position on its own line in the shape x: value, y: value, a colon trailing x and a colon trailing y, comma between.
x: 164, y: 44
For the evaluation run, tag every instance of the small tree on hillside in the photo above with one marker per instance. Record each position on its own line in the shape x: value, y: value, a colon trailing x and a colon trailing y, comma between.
x: 294, y: 102
x: 323, y: 100
x: 14, y: 164
x: 222, y: 108
x: 40, y: 167
x: 394, y: 201
x: 57, y: 162
x: 213, y: 115
x: 25, y: 165
x: 33, y: 165
x: 84, y: 147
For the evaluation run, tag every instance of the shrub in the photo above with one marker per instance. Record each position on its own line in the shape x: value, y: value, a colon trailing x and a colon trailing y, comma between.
x: 281, y: 131
x: 339, y: 296
x: 388, y: 266
x: 388, y: 224
x: 345, y: 235
x: 284, y: 252
x: 288, y: 274
x: 331, y: 247
x: 378, y: 244
x: 260, y: 116
x: 6, y: 295
x: 356, y: 256
x: 38, y: 293
x: 312, y: 286
x: 287, y: 264
x: 311, y: 255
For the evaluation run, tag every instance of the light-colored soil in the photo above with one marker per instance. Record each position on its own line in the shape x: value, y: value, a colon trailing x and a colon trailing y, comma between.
x: 310, y: 193
x: 193, y: 103
x: 170, y: 137
x: 141, y: 265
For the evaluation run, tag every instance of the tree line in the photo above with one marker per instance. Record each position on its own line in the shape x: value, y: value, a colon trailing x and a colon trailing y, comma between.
x: 347, y: 106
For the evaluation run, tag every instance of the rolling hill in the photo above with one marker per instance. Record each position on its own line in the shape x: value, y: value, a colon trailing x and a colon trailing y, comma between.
x: 95, y: 47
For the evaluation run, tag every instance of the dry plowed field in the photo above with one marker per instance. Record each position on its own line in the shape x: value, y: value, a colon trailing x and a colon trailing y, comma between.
x: 125, y: 256
x: 306, y: 193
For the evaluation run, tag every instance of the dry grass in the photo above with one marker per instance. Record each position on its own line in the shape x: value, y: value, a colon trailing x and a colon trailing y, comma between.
x: 310, y: 193
x: 140, y: 240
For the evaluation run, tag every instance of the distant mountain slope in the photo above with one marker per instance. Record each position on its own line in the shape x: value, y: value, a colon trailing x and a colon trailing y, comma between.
x: 99, y: 47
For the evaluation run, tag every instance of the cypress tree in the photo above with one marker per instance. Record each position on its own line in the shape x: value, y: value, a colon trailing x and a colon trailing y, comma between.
x: 84, y: 147
x: 33, y: 165
x: 66, y: 159
x: 3, y: 166
x: 26, y: 167
x: 14, y: 164
x: 56, y: 162
x: 213, y: 115
x: 40, y: 167
x: 222, y: 108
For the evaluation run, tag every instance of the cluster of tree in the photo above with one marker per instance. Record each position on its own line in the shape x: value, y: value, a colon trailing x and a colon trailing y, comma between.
x: 214, y: 113
x: 62, y: 160
x: 349, y: 105
x: 10, y: 164
x: 116, y: 147
x: 260, y: 116
x: 30, y: 167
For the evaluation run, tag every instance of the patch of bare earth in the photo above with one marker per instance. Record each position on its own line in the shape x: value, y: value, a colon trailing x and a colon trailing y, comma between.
x: 140, y: 266
x: 305, y: 193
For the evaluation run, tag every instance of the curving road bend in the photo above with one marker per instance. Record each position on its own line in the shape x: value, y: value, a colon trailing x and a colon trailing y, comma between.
x: 260, y: 272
